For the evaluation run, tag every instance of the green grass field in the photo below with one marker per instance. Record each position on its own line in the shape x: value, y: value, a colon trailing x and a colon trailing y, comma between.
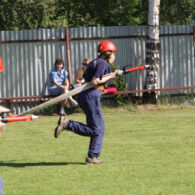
x: 145, y: 152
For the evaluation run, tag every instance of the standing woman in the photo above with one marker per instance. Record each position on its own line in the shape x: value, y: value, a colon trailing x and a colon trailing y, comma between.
x: 89, y: 101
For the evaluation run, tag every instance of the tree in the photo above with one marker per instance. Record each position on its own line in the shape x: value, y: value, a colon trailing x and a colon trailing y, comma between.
x: 152, y: 51
x: 177, y: 12
x: 171, y: 11
x: 100, y: 12
x: 31, y: 14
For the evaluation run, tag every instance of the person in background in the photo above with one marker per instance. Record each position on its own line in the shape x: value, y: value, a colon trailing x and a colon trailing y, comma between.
x: 79, y: 80
x: 59, y: 84
x: 90, y: 102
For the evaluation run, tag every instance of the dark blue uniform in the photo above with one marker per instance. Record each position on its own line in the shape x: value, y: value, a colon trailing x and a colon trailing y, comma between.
x: 89, y: 101
x: 1, y: 186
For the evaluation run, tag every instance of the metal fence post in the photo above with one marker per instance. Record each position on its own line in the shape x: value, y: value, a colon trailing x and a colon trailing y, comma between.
x: 68, y: 56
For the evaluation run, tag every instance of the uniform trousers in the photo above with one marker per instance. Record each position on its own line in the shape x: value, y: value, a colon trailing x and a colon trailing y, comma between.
x: 89, y: 101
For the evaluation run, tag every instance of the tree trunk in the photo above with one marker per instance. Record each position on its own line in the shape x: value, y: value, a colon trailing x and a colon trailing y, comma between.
x: 152, y: 52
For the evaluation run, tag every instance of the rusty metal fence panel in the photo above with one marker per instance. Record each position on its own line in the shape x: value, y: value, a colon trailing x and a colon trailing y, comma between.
x: 29, y: 55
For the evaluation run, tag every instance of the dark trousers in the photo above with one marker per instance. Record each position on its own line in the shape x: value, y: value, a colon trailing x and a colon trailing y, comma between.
x: 95, y: 127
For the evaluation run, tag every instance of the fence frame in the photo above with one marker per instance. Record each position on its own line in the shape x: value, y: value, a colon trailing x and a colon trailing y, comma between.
x: 70, y: 40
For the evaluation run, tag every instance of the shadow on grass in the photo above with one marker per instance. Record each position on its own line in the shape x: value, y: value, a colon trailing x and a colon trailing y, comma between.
x: 19, y: 165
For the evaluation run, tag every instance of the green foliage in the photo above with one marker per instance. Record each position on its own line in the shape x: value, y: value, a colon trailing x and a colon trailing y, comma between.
x: 177, y: 12
x: 100, y: 12
x: 33, y: 14
x: 121, y: 86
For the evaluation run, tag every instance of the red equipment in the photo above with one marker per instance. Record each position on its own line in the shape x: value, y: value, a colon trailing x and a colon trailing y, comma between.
x: 111, y: 90
x: 1, y: 65
x: 138, y: 68
x: 106, y: 46
x: 127, y: 70
x: 4, y: 119
x: 18, y: 118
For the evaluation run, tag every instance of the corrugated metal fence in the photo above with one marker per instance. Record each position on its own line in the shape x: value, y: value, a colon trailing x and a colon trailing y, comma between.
x: 29, y: 55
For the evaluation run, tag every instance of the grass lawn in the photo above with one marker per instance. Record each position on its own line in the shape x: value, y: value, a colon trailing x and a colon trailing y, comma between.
x: 145, y: 152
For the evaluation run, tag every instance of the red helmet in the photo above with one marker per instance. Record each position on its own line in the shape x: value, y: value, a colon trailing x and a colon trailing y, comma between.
x: 106, y: 46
